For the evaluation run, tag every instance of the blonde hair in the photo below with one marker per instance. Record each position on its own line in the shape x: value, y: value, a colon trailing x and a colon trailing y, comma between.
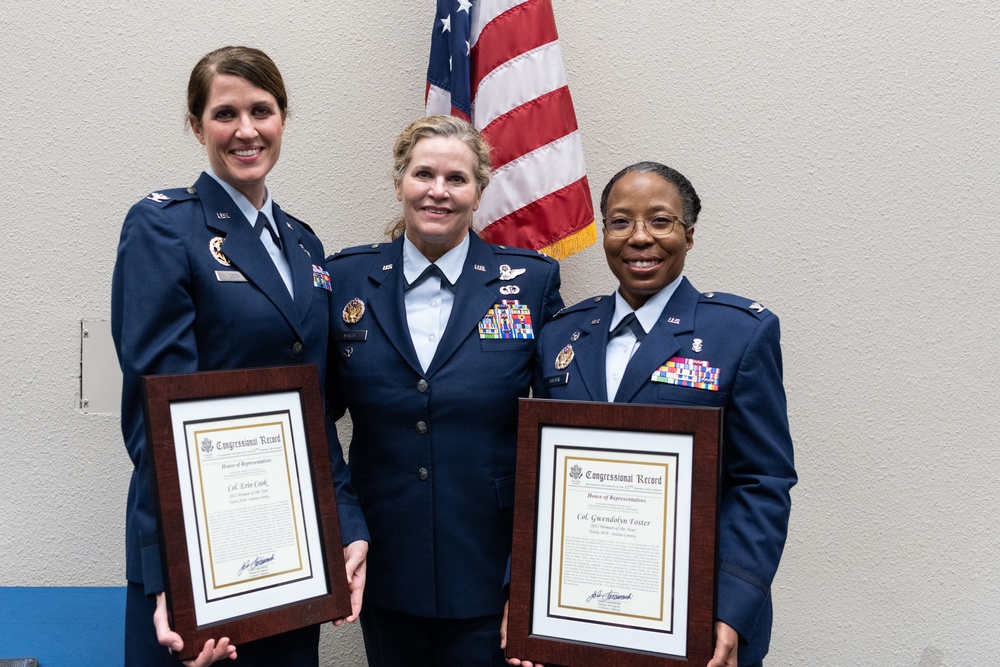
x: 438, y: 126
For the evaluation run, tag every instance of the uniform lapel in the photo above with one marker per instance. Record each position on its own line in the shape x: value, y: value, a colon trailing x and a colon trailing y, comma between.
x: 243, y: 247
x: 660, y: 344
x: 386, y: 301
x: 473, y: 299
x: 299, y: 262
x: 590, y: 350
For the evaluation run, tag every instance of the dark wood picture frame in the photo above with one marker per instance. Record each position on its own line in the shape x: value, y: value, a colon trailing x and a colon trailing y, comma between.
x: 161, y: 392
x: 705, y: 425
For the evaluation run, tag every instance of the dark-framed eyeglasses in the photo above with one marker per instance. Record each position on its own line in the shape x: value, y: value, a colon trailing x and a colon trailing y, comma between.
x: 660, y: 225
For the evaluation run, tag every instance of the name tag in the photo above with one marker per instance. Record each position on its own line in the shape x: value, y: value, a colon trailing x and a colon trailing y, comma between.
x: 556, y: 380
x: 352, y: 336
x: 230, y: 277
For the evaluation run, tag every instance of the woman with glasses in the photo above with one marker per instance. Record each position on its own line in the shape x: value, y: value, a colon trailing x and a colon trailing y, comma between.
x: 657, y: 340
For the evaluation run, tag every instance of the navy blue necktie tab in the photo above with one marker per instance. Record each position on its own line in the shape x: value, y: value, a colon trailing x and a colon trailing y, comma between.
x: 262, y: 224
x: 630, y: 321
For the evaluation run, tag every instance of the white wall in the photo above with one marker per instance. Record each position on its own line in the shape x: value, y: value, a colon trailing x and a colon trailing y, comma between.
x: 844, y: 153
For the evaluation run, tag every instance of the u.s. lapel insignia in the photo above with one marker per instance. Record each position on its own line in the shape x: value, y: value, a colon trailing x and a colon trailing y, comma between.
x: 158, y: 197
x: 757, y: 307
x: 215, y: 247
x: 479, y: 267
x: 387, y: 267
x: 354, y: 311
x: 696, y: 345
x: 507, y: 273
x: 564, y: 358
x: 222, y: 215
x: 673, y: 320
x: 510, y: 289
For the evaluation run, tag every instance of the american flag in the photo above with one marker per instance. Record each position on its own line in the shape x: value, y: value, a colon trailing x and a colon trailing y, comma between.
x: 497, y: 63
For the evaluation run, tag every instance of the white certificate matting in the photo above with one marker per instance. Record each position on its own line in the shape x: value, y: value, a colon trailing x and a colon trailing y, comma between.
x: 248, y: 504
x: 613, y: 533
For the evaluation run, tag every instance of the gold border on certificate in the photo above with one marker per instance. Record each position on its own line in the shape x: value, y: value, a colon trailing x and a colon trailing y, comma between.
x: 248, y: 502
x: 613, y: 548
x: 604, y: 486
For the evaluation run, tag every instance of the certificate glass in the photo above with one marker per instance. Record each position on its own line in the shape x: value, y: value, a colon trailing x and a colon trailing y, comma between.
x: 614, y: 534
x: 248, y: 516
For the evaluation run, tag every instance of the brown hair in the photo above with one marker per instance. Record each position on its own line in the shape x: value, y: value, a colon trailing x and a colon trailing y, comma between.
x: 438, y: 126
x: 248, y: 63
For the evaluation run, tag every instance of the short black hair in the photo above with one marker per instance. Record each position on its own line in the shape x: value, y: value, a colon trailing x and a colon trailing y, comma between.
x: 692, y: 204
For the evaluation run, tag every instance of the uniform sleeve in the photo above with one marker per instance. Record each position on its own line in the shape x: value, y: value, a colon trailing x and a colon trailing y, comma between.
x: 352, y: 521
x: 152, y: 320
x: 552, y: 302
x: 759, y: 473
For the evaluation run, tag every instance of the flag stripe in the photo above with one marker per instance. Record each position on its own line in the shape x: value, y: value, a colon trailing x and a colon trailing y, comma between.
x: 519, y: 30
x: 530, y: 177
x: 501, y: 64
x: 437, y: 100
x: 535, y: 73
x: 484, y: 12
x: 530, y: 126
x: 543, y: 222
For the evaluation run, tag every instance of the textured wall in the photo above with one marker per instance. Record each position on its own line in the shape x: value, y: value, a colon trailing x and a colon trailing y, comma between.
x: 844, y: 153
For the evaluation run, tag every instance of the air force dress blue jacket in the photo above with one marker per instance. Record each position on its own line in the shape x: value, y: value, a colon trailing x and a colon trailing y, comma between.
x: 432, y: 453
x: 730, y: 347
x: 195, y: 290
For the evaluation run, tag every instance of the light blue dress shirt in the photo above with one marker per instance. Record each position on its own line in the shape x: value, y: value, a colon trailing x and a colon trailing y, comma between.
x: 248, y: 210
x: 623, y: 346
x: 429, y: 303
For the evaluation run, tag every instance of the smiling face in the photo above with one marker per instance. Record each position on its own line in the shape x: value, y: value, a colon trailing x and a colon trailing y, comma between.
x: 645, y: 264
x: 241, y: 130
x: 439, y: 194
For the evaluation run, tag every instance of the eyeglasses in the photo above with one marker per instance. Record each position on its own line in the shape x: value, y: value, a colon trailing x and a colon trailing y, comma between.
x: 661, y: 225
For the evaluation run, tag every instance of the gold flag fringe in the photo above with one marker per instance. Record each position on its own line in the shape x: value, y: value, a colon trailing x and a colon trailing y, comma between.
x: 573, y: 243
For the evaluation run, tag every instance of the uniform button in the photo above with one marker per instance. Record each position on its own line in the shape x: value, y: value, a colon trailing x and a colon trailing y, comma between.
x: 421, y: 427
x: 432, y: 303
x: 422, y: 386
x: 431, y: 337
x: 422, y: 474
x: 297, y: 348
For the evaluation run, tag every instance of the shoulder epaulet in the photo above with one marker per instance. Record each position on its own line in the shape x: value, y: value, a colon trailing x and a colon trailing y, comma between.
x: 163, y: 198
x: 371, y: 248
x: 520, y: 252
x: 736, y: 301
x: 586, y: 304
x: 304, y: 225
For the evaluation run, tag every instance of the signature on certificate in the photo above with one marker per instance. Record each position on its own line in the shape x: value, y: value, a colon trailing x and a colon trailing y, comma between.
x: 601, y: 596
x: 257, y: 561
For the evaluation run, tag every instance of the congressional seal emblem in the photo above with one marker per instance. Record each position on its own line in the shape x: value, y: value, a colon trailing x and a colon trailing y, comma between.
x: 354, y: 311
x: 215, y: 247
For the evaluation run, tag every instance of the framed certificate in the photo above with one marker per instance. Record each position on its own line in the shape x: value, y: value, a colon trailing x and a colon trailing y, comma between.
x: 248, y: 517
x: 614, y: 551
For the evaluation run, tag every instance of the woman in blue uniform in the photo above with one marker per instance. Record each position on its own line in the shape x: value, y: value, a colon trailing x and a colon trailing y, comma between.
x: 210, y: 277
x: 658, y: 340
x: 433, y: 336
